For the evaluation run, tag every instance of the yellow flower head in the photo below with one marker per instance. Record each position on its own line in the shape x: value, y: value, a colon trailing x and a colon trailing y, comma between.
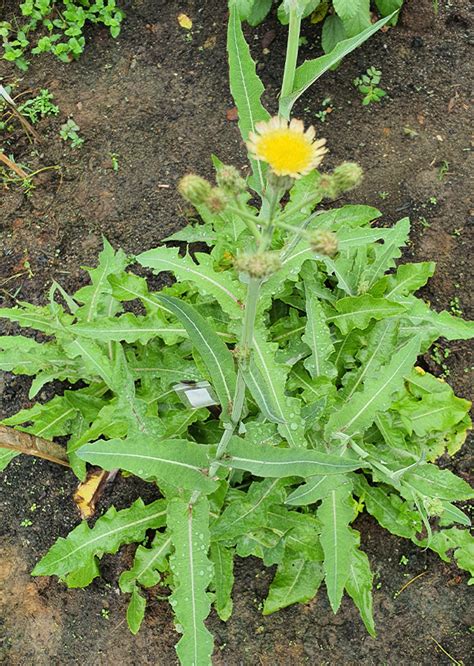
x: 286, y: 147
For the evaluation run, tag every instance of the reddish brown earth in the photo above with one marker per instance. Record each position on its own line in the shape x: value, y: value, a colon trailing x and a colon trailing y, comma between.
x: 159, y: 100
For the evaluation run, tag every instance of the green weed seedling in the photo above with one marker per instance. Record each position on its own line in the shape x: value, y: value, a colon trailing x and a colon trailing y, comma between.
x: 38, y: 107
x: 367, y: 85
x: 56, y: 27
x: 70, y: 132
x: 270, y: 395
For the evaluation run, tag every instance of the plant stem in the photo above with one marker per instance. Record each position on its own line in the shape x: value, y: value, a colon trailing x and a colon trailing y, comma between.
x: 291, y: 58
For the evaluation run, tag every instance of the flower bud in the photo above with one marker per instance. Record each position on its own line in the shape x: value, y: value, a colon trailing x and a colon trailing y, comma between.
x: 327, y: 187
x: 346, y: 176
x: 324, y: 242
x: 258, y: 265
x: 229, y: 180
x: 194, y: 189
x: 216, y: 200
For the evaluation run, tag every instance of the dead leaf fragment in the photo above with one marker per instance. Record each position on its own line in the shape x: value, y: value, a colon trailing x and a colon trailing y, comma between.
x: 185, y: 22
x: 232, y: 114
x: 89, y: 491
x: 210, y: 42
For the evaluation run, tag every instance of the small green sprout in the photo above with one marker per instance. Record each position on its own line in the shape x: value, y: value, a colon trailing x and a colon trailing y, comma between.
x: 105, y: 613
x: 326, y: 109
x: 367, y: 85
x: 114, y: 157
x: 404, y: 560
x: 38, y: 107
x: 443, y: 169
x: 383, y: 195
x: 26, y: 523
x: 69, y: 132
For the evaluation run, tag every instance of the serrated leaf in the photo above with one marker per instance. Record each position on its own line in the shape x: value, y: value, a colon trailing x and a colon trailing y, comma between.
x: 135, y: 611
x: 226, y: 290
x: 358, y: 311
x: 147, y: 564
x: 96, y: 296
x: 358, y: 414
x: 437, y: 324
x: 94, y: 358
x: 274, y: 377
x: 380, y: 346
x: 192, y: 573
x: 295, y: 581
x: 37, y: 318
x: 359, y: 587
x: 177, y: 462
x: 408, y: 279
x: 338, y: 541
x: 213, y: 351
x: 128, y: 328
x: 392, y: 513
x: 315, y: 489
x: 74, y: 559
x: 431, y: 481
x: 433, y: 412
x: 311, y: 70
x: 223, y: 561
x: 385, y: 255
x: 246, y: 89
x: 248, y: 511
x: 269, y: 461
x: 317, y: 335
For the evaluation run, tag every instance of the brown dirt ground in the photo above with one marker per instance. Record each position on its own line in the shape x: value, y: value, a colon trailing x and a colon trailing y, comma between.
x: 159, y: 100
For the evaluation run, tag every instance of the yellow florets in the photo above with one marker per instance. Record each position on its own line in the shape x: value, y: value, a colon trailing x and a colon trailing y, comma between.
x: 286, y: 147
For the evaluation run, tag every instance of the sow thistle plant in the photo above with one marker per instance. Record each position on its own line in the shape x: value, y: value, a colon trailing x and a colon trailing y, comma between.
x: 271, y: 394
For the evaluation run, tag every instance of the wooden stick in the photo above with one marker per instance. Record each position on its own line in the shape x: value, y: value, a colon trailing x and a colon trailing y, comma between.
x: 24, y: 442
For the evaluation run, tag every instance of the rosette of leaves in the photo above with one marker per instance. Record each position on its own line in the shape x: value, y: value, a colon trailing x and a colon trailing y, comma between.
x: 337, y: 417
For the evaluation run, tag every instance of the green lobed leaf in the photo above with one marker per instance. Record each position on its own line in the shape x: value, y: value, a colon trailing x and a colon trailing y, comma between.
x: 269, y: 461
x: 431, y: 481
x: 192, y: 573
x: 295, y: 581
x: 317, y: 334
x: 223, y: 561
x: 135, y: 611
x: 273, y: 377
x: 97, y: 296
x: 408, y: 279
x: 359, y: 587
x: 338, y: 540
x: 315, y: 489
x: 376, y: 396
x: 220, y: 285
x: 74, y: 559
x: 358, y: 311
x: 248, y: 511
x: 178, y: 462
x: 311, y: 70
x: 381, y: 344
x: 246, y: 89
x: 213, y: 351
x: 129, y: 328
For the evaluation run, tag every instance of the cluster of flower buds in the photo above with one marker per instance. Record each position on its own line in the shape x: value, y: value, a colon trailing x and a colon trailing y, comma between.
x: 199, y: 191
x: 323, y: 242
x: 258, y: 264
x: 344, y: 178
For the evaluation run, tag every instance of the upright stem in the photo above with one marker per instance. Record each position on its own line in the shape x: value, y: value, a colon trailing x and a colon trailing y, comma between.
x: 291, y: 56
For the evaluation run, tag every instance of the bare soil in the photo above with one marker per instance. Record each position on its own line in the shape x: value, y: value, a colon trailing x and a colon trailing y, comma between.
x: 159, y: 100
